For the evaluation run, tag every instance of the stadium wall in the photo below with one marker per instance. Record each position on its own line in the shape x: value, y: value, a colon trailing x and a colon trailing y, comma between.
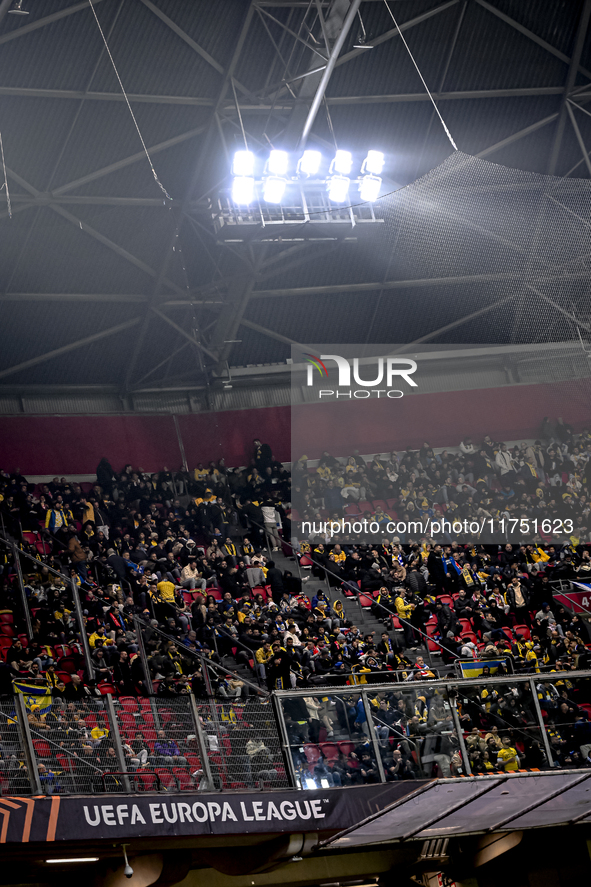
x: 73, y: 445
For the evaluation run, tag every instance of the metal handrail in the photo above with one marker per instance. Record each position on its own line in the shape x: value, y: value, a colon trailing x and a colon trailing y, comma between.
x: 205, y: 663
x: 130, y: 774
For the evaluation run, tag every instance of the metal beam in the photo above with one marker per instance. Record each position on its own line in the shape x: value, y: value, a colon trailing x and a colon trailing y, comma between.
x: 271, y: 334
x: 72, y: 297
x: 575, y: 126
x: 65, y: 349
x: 205, y: 149
x: 48, y: 20
x: 48, y: 199
x: 293, y: 34
x: 442, y: 96
x: 520, y: 134
x: 192, y: 43
x: 78, y: 94
x: 120, y: 298
x: 4, y: 7
x: 327, y: 73
x: 184, y: 333
x: 336, y: 289
x: 530, y: 35
x: 88, y: 229
x: 275, y: 91
x: 569, y: 84
x: 128, y: 161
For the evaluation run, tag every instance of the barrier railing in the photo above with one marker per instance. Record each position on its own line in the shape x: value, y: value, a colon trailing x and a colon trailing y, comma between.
x: 435, y: 728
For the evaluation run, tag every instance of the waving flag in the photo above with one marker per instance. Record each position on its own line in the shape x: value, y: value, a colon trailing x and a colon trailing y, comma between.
x: 33, y: 694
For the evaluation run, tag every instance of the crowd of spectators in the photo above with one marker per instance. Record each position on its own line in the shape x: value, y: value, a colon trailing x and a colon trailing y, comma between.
x: 546, y: 480
x: 180, y: 593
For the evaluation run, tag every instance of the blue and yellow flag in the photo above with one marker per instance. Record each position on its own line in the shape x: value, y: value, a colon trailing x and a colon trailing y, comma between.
x: 474, y: 669
x: 33, y: 694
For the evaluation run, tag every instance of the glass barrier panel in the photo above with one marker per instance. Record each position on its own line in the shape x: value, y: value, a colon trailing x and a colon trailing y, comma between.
x: 500, y: 726
x: 565, y: 704
x: 416, y: 732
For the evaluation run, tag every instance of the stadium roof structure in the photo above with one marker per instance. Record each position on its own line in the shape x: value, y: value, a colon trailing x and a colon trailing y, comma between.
x: 107, y: 284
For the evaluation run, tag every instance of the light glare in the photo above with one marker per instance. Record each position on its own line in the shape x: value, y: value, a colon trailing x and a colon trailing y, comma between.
x: 310, y: 163
x: 274, y: 189
x: 338, y: 188
x: 243, y: 190
x: 374, y: 163
x: 243, y: 163
x: 278, y: 161
x: 79, y: 859
x: 342, y: 163
x: 369, y: 188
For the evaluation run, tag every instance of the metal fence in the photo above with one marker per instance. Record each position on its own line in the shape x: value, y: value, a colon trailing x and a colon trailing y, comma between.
x: 435, y: 729
x: 15, y: 762
x: 133, y: 744
x: 243, y: 744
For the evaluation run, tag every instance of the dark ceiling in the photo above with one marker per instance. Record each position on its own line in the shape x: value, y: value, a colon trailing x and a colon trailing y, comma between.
x: 93, y: 246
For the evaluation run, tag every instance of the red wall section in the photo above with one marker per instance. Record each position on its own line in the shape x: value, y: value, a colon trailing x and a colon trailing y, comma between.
x: 230, y: 434
x: 75, y: 444
x: 443, y: 419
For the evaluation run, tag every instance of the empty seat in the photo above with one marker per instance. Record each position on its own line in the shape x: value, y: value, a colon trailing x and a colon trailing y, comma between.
x: 330, y: 750
x: 312, y: 752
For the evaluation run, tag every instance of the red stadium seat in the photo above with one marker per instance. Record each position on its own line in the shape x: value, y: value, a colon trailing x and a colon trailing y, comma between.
x: 167, y: 779
x: 129, y: 703
x: 185, y: 782
x: 364, y: 505
x: 42, y: 748
x: 330, y: 750
x: 312, y: 753
x: 523, y: 630
x: 44, y: 548
x: 379, y: 503
x: 365, y: 601
x: 147, y: 781
x: 346, y: 747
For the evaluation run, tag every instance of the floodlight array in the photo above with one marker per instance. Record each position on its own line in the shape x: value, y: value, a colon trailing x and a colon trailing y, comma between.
x: 276, y: 175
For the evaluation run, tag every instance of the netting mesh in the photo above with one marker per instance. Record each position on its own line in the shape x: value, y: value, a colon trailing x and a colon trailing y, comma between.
x: 515, y: 235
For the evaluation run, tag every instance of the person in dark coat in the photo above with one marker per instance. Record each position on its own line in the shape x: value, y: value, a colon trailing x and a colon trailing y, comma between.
x: 275, y: 580
x: 105, y: 475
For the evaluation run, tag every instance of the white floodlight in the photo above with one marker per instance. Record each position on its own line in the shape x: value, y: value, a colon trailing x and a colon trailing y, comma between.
x: 369, y: 188
x: 374, y: 163
x: 243, y: 190
x: 74, y: 859
x: 309, y: 163
x: 338, y: 188
x: 274, y: 189
x: 310, y: 783
x: 243, y: 163
x: 342, y: 163
x: 277, y: 164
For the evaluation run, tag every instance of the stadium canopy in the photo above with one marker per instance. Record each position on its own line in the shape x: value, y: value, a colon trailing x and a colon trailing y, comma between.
x: 108, y: 287
x: 451, y: 808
